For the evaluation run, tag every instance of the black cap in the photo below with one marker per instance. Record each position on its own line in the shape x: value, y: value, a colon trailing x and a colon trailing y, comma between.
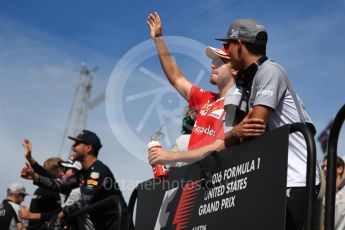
x: 89, y: 138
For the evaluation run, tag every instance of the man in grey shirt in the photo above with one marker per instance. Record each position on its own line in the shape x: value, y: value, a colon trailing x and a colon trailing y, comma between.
x: 270, y: 97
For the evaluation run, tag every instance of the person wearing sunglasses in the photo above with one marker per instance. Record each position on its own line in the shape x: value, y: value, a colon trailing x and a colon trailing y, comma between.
x: 272, y: 99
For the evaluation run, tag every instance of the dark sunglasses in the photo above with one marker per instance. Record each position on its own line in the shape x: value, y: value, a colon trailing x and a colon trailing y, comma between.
x: 229, y: 42
x: 76, y: 143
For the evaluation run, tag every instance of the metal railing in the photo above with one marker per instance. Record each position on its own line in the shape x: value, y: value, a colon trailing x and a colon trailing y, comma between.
x: 331, y: 168
x: 117, y: 225
x: 311, y: 169
x: 131, y: 205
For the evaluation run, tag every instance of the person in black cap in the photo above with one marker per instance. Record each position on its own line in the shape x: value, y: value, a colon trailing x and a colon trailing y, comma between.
x: 268, y: 92
x: 98, y: 183
x: 9, y: 218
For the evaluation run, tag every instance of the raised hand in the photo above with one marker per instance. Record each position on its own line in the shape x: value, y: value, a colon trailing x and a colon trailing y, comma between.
x: 27, y: 147
x: 155, y: 25
x: 27, y: 151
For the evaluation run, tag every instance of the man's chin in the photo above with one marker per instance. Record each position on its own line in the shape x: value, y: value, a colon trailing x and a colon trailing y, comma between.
x: 77, y: 156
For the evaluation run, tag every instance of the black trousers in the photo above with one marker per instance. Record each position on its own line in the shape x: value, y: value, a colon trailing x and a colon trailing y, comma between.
x: 296, y: 207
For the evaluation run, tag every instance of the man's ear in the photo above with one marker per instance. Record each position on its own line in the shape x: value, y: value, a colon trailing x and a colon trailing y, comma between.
x: 233, y: 72
x: 89, y: 148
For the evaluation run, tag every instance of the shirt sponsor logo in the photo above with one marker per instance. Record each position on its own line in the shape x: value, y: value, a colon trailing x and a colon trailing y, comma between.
x: 207, y: 130
x: 90, y: 186
x: 94, y: 175
x: 265, y: 92
x: 217, y: 113
x: 237, y: 92
x: 92, y: 182
x: 201, y: 227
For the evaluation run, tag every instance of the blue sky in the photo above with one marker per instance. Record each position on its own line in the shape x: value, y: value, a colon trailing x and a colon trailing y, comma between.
x: 42, y: 44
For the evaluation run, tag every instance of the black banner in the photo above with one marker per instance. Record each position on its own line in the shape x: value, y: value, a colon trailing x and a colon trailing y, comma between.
x: 245, y: 190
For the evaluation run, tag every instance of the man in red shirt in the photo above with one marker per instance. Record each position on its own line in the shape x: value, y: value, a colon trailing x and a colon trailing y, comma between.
x: 208, y: 131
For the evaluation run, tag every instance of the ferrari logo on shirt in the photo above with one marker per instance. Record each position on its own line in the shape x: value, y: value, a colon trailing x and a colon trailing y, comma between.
x: 94, y: 175
x: 92, y: 182
x: 205, y: 109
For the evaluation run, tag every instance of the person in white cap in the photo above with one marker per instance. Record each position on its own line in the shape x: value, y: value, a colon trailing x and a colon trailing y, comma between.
x: 9, y: 218
x: 73, y: 166
x: 208, y: 131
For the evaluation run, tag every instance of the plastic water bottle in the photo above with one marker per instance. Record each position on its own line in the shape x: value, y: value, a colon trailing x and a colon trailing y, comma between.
x: 159, y: 170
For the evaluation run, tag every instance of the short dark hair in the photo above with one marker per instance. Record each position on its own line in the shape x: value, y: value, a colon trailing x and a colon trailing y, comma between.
x: 95, y: 151
x: 259, y: 47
